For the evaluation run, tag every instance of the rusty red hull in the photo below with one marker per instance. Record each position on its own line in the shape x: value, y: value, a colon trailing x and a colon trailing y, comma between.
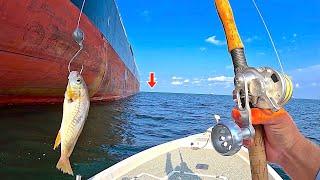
x: 36, y: 46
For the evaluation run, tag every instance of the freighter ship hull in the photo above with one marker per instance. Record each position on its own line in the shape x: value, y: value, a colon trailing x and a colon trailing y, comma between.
x: 36, y: 46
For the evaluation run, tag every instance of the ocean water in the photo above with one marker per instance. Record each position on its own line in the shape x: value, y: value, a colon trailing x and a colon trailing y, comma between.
x: 117, y: 130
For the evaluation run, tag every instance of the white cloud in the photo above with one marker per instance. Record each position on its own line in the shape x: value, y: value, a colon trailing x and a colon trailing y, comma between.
x: 221, y: 79
x: 176, y: 78
x: 310, y: 68
x: 176, y: 82
x: 179, y: 81
x: 250, y: 39
x: 146, y: 15
x: 307, y: 77
x: 203, y: 49
x: 227, y: 85
x: 213, y: 40
x: 198, y: 81
x: 308, y: 80
x: 229, y: 66
x: 195, y: 82
x: 261, y: 53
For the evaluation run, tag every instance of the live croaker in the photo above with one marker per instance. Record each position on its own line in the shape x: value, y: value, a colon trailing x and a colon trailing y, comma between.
x: 75, y: 111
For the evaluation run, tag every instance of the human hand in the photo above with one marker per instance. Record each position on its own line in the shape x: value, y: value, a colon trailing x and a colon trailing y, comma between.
x: 284, y: 144
x: 281, y: 133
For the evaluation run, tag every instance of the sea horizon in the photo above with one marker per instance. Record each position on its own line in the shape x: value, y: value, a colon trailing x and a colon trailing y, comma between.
x: 212, y: 94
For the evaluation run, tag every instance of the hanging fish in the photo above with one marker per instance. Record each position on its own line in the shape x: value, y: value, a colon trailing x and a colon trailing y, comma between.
x: 75, y: 111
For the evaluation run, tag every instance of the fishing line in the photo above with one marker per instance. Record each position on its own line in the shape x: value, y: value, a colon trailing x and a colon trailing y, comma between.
x: 76, y: 33
x: 80, y: 13
x: 269, y: 34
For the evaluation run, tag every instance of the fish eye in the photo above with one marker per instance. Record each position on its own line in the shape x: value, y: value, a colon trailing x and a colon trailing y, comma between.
x: 78, y: 80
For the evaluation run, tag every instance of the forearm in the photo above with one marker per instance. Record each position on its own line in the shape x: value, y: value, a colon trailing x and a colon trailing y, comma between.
x: 302, y: 161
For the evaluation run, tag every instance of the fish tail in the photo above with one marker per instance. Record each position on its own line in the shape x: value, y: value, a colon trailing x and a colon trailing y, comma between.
x: 64, y: 165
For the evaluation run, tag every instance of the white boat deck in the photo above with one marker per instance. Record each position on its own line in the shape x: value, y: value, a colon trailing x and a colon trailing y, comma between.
x: 192, y: 157
x: 186, y: 163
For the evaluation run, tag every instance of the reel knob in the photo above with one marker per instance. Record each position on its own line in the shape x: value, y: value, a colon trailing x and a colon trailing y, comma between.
x: 227, y: 138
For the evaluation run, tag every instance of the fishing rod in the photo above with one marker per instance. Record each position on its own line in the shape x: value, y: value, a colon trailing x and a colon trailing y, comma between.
x: 263, y: 88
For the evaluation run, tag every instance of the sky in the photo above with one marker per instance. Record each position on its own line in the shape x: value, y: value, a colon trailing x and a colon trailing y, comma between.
x: 183, y: 43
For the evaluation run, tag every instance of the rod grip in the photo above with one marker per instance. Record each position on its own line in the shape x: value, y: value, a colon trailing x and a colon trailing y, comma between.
x: 257, y: 155
x: 230, y: 29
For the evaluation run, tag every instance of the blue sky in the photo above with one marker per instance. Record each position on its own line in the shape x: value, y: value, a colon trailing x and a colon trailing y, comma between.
x: 184, y: 44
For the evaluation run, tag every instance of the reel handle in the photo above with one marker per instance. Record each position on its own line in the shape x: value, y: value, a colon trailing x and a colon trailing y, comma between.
x: 257, y: 155
x: 230, y: 28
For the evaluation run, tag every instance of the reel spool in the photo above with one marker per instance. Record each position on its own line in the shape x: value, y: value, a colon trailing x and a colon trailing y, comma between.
x: 268, y: 89
x: 262, y: 88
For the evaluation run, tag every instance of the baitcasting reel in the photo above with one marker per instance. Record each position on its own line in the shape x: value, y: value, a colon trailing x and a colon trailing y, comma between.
x: 262, y: 88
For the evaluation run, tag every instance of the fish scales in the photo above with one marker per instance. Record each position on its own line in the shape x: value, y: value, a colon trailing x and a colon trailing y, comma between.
x: 75, y: 110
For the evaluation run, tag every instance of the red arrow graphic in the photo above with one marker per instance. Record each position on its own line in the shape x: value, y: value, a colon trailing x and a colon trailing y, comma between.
x: 151, y: 81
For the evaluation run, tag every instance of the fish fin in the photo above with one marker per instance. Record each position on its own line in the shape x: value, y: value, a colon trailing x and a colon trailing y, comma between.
x: 71, y: 95
x: 64, y: 165
x: 57, y: 141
